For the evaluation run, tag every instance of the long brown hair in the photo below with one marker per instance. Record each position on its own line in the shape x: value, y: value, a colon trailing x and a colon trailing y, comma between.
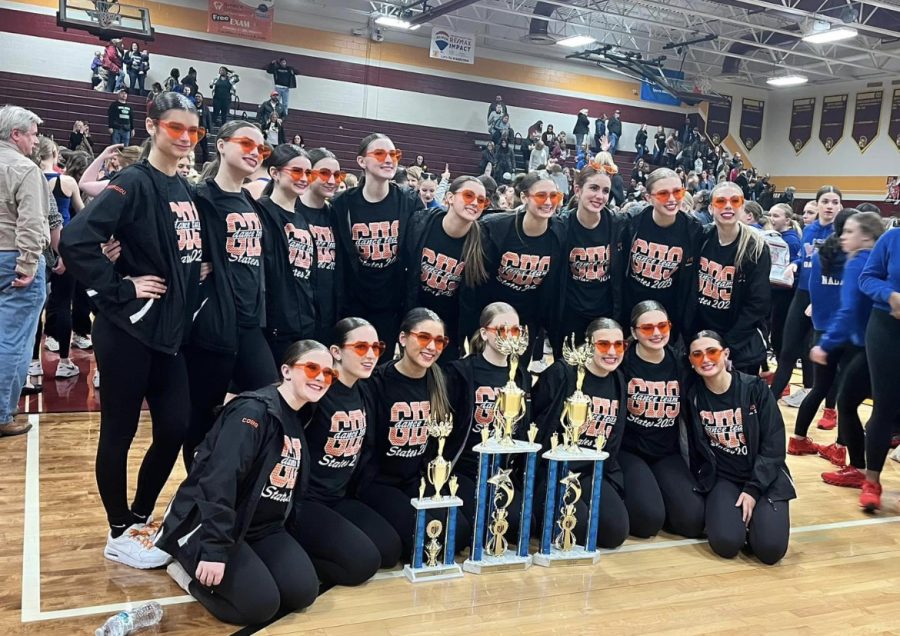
x: 474, y: 272
x: 434, y: 377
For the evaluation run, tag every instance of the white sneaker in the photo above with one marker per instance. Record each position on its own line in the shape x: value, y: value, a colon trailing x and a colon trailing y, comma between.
x: 537, y: 366
x: 35, y: 369
x: 82, y: 342
x: 796, y: 398
x: 135, y: 549
x: 97, y: 379
x: 67, y: 369
x: 895, y: 454
x: 51, y: 344
x: 179, y: 575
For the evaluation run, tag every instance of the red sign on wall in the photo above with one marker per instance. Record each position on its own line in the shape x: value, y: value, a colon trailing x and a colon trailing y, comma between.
x: 251, y: 19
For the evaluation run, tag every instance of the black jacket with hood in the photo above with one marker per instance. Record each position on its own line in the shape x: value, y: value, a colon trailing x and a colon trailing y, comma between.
x: 214, y: 506
x: 764, y: 430
x: 135, y: 209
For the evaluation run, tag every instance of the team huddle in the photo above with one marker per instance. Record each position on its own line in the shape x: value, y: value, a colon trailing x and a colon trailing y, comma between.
x: 295, y: 301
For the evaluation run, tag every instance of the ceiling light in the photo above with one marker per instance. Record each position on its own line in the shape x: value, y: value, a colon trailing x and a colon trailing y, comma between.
x: 576, y: 41
x: 833, y: 34
x: 392, y: 21
x: 787, y: 80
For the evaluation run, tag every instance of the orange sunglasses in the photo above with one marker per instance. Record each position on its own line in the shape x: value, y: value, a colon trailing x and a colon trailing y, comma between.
x: 175, y: 130
x: 649, y: 328
x: 248, y: 145
x: 605, y: 346
x: 325, y: 174
x: 663, y: 195
x: 541, y: 198
x: 736, y: 201
x: 602, y: 167
x: 381, y: 154
x: 424, y: 339
x: 469, y: 197
x: 361, y: 348
x: 713, y: 353
x: 504, y: 331
x: 313, y: 369
x: 298, y: 174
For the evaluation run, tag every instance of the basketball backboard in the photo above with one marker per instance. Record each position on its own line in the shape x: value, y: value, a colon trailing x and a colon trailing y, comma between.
x: 107, y: 19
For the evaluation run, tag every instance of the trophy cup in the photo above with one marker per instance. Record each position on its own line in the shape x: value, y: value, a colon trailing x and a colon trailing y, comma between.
x: 510, y: 407
x: 563, y: 549
x: 438, y: 473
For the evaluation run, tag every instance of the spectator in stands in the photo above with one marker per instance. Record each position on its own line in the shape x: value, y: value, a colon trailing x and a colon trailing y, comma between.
x: 190, y: 81
x: 155, y: 90
x: 505, y: 167
x: 24, y: 235
x: 498, y: 101
x: 637, y: 173
x: 635, y: 191
x: 120, y: 117
x: 582, y: 127
x: 77, y: 135
x: 527, y: 146
x: 659, y: 141
x: 684, y: 132
x: 173, y: 82
x: 87, y: 144
x: 494, y: 118
x: 640, y: 141
x: 285, y: 78
x: 112, y: 62
x: 420, y: 163
x: 273, y: 131
x: 787, y: 196
x: 559, y: 178
x: 537, y: 126
x: 501, y: 129
x: 132, y: 64
x: 614, y: 132
x: 548, y: 136
x: 539, y: 156
x: 560, y: 149
x: 272, y: 106
x: 707, y: 181
x: 599, y: 131
x: 297, y: 140
x: 201, y: 150
x: 671, y: 150
x: 96, y: 68
x: 222, y: 90
x: 488, y: 157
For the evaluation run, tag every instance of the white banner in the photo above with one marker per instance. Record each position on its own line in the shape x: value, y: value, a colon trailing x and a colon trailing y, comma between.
x: 452, y: 46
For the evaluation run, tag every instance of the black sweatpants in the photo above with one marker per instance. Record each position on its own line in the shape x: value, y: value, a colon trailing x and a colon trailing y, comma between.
x: 81, y: 311
x: 211, y: 374
x: 659, y: 494
x: 133, y: 372
x: 795, y: 343
x: 824, y: 376
x: 781, y: 302
x: 883, y: 350
x: 854, y: 386
x: 768, y: 532
x: 612, y: 523
x: 59, y: 304
x: 348, y: 541
x: 220, y: 109
x: 392, y: 503
x: 278, y: 345
x: 261, y: 577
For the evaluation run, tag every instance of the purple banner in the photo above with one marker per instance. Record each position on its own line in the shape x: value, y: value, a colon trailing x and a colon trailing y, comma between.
x: 718, y: 118
x: 866, y: 117
x: 751, y: 121
x: 831, y: 124
x: 894, y: 125
x: 800, y: 131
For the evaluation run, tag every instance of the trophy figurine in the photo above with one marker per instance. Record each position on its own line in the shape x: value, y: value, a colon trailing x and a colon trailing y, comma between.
x: 439, y: 468
x: 505, y: 491
x: 567, y: 520
x: 510, y: 406
x: 433, y: 547
x: 577, y: 409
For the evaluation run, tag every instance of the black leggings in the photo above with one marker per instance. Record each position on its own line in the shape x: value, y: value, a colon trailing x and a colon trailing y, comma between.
x: 854, y: 386
x: 392, y: 503
x: 768, y: 532
x: 59, y: 312
x: 612, y: 523
x: 81, y: 311
x: 823, y: 383
x: 781, y: 302
x: 210, y: 374
x: 795, y: 343
x: 661, y: 493
x: 131, y: 373
x: 261, y: 577
x: 278, y: 345
x: 347, y: 542
x: 883, y: 350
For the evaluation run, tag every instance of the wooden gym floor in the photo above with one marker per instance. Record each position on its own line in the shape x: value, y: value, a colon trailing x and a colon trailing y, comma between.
x: 841, y: 573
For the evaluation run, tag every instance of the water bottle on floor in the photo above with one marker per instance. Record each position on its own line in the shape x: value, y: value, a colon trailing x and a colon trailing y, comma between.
x: 125, y: 623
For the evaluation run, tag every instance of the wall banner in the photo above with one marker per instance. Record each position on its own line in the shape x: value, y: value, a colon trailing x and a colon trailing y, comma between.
x: 718, y: 119
x: 800, y: 131
x: 831, y: 123
x: 251, y: 19
x: 866, y: 117
x: 751, y: 121
x: 452, y: 46
x: 894, y: 123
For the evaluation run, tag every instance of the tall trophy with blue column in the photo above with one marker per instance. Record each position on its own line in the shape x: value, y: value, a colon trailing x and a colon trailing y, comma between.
x: 564, y: 487
x: 492, y: 549
x: 431, y: 560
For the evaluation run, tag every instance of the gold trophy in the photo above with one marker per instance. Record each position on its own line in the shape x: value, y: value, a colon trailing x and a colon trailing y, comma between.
x: 566, y: 539
x: 510, y: 406
x: 439, y: 468
x: 433, y: 547
x: 577, y: 409
x: 497, y: 544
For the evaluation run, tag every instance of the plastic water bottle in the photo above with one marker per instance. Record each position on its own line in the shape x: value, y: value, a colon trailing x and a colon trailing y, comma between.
x: 124, y: 622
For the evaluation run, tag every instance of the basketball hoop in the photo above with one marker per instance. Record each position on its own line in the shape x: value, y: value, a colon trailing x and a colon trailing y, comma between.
x: 703, y: 85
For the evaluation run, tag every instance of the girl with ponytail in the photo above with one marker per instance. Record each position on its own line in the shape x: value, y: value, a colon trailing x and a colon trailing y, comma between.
x: 290, y: 256
x: 228, y: 350
x: 444, y: 258
x: 733, y: 294
x: 604, y: 385
x: 402, y: 397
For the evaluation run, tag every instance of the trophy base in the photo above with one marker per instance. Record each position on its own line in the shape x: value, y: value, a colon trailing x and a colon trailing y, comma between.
x: 558, y: 558
x: 430, y: 503
x: 576, y: 454
x: 426, y: 573
x: 505, y: 563
x: 510, y: 447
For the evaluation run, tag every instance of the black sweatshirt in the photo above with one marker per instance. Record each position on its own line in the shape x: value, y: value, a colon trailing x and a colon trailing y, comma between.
x: 120, y: 116
x: 290, y: 262
x: 255, y: 450
x: 329, y: 265
x: 653, y: 421
x: 152, y: 215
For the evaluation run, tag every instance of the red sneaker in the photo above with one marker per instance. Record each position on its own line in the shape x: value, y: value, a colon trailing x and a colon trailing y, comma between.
x: 787, y: 391
x: 803, y: 446
x: 847, y: 477
x: 870, y: 497
x: 828, y: 421
x: 768, y: 376
x: 834, y: 453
